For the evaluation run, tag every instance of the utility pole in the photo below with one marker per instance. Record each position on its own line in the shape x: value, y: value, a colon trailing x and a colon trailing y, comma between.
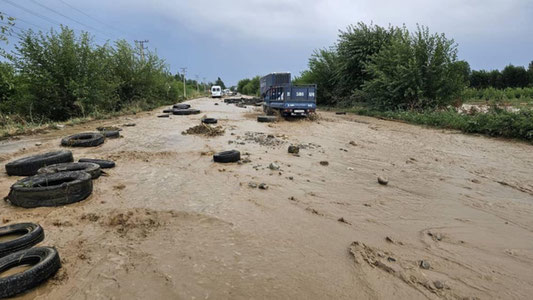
x: 197, y: 78
x: 205, y: 85
x: 183, y: 71
x: 140, y: 44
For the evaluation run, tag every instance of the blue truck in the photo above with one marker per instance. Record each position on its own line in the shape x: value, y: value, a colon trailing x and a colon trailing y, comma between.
x: 279, y: 94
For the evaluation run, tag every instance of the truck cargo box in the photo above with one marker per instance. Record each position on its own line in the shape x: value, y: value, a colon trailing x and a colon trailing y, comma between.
x: 274, y: 79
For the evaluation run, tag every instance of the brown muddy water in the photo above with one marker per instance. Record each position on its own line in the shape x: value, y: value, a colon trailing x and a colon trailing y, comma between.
x: 169, y: 223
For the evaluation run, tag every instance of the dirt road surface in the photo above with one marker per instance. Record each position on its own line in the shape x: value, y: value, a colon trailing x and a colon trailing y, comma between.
x: 169, y: 223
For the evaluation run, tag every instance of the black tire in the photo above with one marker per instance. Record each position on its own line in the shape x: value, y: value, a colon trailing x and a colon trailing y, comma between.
x: 91, y: 168
x: 194, y: 111
x: 104, y: 164
x: 51, y: 189
x: 111, y: 134
x: 167, y: 111
x: 28, y: 166
x: 181, y: 106
x: 164, y: 116
x: 227, y: 156
x: 181, y: 112
x: 85, y: 139
x: 44, y: 263
x: 340, y: 113
x: 266, y: 119
x: 209, y: 121
x: 109, y: 128
x: 30, y: 235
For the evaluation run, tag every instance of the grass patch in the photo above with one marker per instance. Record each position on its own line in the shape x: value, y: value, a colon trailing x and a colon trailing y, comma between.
x: 496, y: 122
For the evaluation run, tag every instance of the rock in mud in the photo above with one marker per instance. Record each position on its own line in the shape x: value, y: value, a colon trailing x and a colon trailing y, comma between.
x: 324, y: 163
x: 424, y: 265
x: 383, y: 180
x: 293, y: 149
x: 253, y: 185
x: 438, y: 284
x: 263, y: 186
x: 38, y: 144
x: 273, y: 166
x: 129, y: 124
x: 353, y: 143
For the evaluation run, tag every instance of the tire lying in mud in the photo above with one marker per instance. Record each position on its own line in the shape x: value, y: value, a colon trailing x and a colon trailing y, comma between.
x: 167, y: 111
x: 104, y: 164
x: 85, y: 139
x: 28, y: 166
x: 181, y: 112
x: 266, y: 119
x: 181, y: 106
x: 28, y: 235
x: 110, y: 134
x: 109, y: 128
x: 51, y: 189
x: 340, y: 113
x: 44, y: 262
x: 91, y: 168
x: 209, y: 121
x: 227, y: 156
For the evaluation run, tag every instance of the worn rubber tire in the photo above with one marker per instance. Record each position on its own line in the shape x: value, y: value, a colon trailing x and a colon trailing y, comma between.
x: 167, y: 111
x: 209, y: 121
x: 45, y: 262
x: 91, y: 168
x: 32, y: 235
x: 266, y: 119
x: 55, y: 189
x: 85, y: 139
x: 108, y: 128
x: 104, y: 164
x: 340, y: 113
x: 181, y: 106
x: 181, y: 112
x: 28, y: 166
x: 110, y: 134
x: 227, y: 156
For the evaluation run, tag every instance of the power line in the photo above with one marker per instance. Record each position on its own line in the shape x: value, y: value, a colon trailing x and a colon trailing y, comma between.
x: 33, y: 13
x: 94, y: 19
x: 67, y: 17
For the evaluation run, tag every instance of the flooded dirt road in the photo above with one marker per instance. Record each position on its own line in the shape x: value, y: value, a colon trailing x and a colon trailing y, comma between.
x: 169, y: 223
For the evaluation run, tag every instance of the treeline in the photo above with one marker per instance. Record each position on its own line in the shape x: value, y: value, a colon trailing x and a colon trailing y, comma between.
x: 249, y: 86
x: 510, y: 77
x: 56, y: 76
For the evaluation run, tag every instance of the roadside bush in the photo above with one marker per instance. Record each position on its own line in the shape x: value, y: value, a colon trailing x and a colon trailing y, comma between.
x: 496, y: 123
x: 415, y: 71
x: 56, y: 76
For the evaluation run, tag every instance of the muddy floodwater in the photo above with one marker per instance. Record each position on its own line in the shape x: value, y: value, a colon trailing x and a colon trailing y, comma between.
x: 455, y: 220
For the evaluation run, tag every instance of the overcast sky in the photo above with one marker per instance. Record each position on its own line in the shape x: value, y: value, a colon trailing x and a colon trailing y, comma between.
x: 242, y: 38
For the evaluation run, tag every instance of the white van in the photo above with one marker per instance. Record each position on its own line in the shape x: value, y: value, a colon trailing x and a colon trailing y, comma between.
x: 216, y: 91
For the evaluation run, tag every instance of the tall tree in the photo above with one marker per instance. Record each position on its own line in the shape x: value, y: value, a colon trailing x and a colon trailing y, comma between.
x: 221, y: 83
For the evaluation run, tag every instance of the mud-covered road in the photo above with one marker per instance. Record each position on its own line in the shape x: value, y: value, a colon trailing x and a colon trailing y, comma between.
x: 169, y: 223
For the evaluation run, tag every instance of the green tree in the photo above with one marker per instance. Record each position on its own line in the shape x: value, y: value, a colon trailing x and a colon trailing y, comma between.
x: 323, y: 70
x: 355, y: 47
x: 530, y: 73
x: 414, y: 71
x: 515, y: 76
x: 220, y: 83
x: 241, y: 84
x: 252, y: 87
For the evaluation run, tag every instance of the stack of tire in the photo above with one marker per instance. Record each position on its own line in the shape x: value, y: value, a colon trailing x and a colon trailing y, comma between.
x: 183, y: 109
x: 41, y: 262
x: 53, y: 179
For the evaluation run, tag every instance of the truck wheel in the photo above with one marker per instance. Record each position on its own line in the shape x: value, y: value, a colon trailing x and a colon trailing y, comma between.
x: 55, y: 189
x: 181, y: 106
x: 44, y: 263
x: 28, y: 166
x: 227, y: 156
x: 266, y: 119
x: 91, y: 168
x: 29, y: 235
